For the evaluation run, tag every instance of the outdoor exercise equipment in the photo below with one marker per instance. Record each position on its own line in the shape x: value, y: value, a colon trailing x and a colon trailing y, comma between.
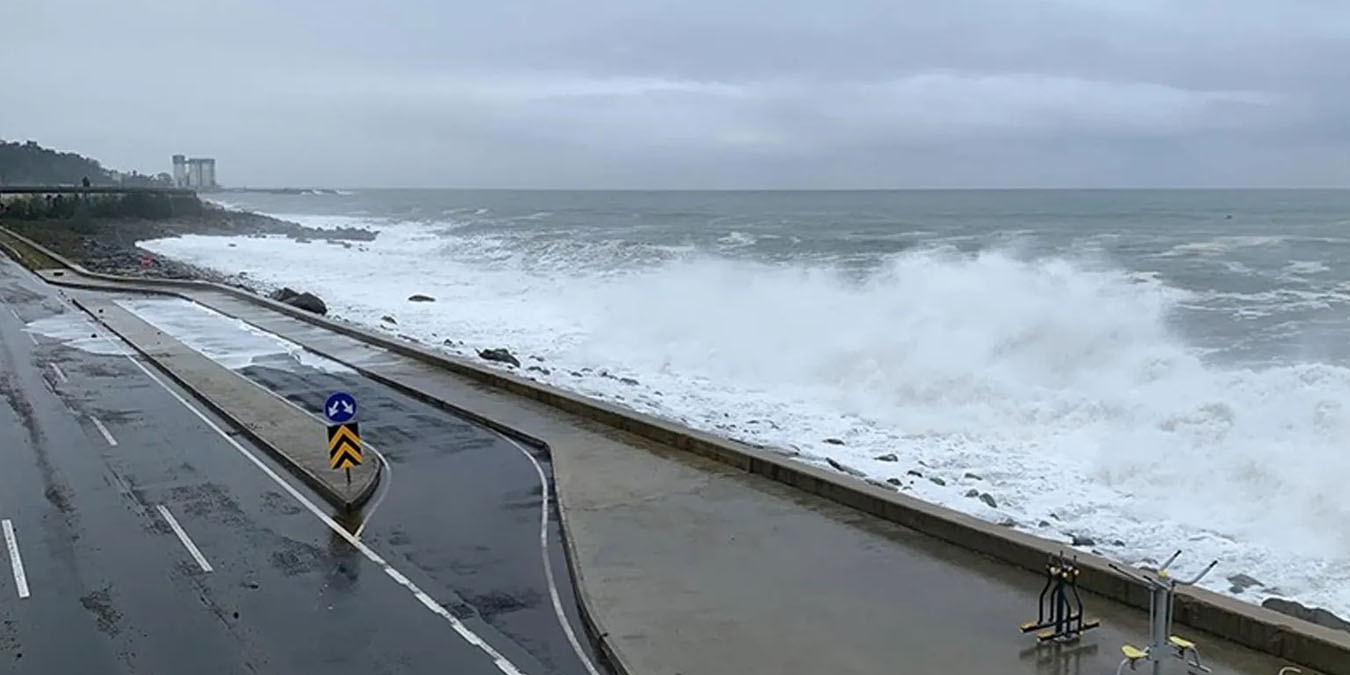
x: 1162, y: 643
x: 1059, y: 613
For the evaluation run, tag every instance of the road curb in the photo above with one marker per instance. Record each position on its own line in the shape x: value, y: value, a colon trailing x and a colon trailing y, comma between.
x: 1249, y: 625
x: 330, y: 494
x: 598, y: 635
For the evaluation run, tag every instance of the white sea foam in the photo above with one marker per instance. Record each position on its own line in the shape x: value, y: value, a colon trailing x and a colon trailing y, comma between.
x: 319, y: 222
x: 735, y: 239
x: 217, y: 201
x: 1297, y: 268
x: 227, y: 341
x: 1057, y: 383
x: 1272, y: 301
x: 1221, y: 245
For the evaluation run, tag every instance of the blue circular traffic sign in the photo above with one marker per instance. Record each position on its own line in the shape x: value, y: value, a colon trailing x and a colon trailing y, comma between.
x: 340, y: 407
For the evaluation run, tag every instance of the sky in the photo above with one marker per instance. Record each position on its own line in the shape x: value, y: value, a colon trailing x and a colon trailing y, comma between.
x: 717, y: 94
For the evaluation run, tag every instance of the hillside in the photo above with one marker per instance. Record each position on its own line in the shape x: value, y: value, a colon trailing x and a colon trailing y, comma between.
x: 31, y: 164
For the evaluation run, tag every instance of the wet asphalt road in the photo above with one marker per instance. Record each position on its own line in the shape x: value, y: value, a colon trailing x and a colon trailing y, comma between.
x: 460, y: 504
x: 115, y: 589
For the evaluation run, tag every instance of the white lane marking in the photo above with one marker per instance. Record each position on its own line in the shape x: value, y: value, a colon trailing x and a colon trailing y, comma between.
x: 543, y: 508
x: 183, y: 537
x: 107, y: 435
x: 20, y: 579
x: 384, y: 489
x: 385, y: 483
x: 60, y: 375
x: 548, y: 563
x: 469, y: 636
x: 32, y: 338
x: 16, y: 314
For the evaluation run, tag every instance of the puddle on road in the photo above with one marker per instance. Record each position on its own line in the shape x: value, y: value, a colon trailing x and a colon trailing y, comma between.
x: 75, y: 331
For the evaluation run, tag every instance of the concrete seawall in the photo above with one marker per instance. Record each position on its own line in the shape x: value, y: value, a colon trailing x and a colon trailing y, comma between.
x: 1245, y: 624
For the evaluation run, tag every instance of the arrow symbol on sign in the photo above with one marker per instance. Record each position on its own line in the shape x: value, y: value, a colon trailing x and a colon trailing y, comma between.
x: 340, y: 406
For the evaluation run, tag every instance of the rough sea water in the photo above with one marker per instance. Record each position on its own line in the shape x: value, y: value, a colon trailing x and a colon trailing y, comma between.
x: 1144, y: 370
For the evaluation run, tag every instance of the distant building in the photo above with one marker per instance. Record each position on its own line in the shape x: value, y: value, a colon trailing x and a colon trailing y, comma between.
x: 194, y: 172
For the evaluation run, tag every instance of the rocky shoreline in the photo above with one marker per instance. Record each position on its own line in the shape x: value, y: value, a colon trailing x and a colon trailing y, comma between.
x: 110, y: 245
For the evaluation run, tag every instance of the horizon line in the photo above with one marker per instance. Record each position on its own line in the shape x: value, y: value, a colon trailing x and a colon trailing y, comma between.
x: 802, y: 189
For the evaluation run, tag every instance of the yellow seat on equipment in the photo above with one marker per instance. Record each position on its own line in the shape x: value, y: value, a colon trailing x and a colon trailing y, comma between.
x: 1133, y: 653
x: 1181, y: 643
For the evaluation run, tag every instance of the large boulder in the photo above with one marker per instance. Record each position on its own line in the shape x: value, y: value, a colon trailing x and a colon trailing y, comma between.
x: 309, y: 302
x: 1241, y: 582
x: 500, y: 355
x: 283, y: 294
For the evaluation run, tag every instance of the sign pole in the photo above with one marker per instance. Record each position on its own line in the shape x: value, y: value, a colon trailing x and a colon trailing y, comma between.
x: 349, y: 476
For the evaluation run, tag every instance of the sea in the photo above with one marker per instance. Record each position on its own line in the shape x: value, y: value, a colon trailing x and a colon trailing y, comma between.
x: 1137, y: 371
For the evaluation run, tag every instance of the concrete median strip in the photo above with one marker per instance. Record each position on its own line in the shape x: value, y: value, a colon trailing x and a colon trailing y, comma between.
x: 469, y: 636
x: 294, y: 438
x: 1245, y: 624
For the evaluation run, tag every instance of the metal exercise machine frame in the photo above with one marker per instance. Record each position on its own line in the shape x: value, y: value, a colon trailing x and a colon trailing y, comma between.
x: 1059, y: 612
x: 1162, y: 586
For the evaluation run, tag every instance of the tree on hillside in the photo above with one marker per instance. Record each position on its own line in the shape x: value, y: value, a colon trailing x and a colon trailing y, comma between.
x: 31, y: 164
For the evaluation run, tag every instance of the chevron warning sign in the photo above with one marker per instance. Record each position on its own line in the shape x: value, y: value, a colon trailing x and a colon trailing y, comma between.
x: 344, y: 445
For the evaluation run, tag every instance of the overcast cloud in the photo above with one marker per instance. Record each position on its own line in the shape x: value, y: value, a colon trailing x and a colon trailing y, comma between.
x: 692, y: 93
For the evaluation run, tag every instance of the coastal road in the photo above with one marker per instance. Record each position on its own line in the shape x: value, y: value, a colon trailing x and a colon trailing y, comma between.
x: 143, y: 535
x: 696, y: 566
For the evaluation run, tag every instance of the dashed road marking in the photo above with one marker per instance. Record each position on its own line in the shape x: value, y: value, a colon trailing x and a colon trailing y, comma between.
x: 183, y: 537
x: 60, y: 375
x: 554, y: 594
x: 15, y: 561
x: 107, y: 435
x: 500, y: 661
